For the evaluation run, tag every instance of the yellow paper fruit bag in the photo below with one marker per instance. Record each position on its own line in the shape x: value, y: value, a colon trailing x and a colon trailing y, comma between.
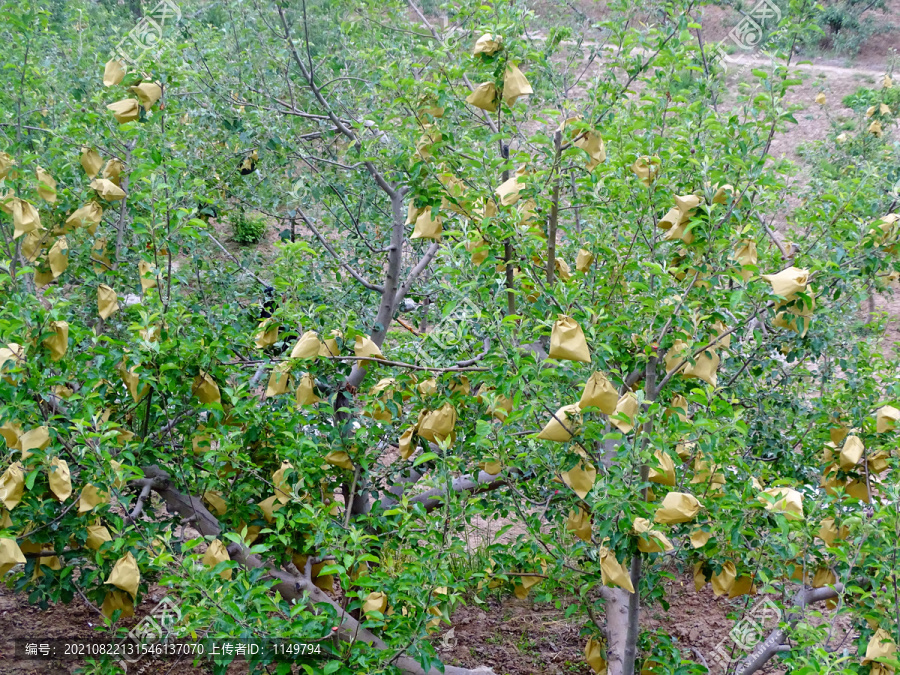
x: 786, y: 501
x: 113, y: 73
x: 563, y: 271
x: 851, y: 453
x: 217, y: 503
x: 487, y: 44
x: 97, y: 536
x: 515, y: 85
x: 307, y: 347
x: 60, y: 479
x: 405, y: 443
x: 427, y: 227
x: 126, y: 575
x: 90, y: 161
x: 306, y: 391
x: 330, y: 345
x: 88, y: 216
x: 593, y: 145
x: 599, y: 393
x: 438, y: 425
x: 279, y: 380
x: 91, y: 497
x: 216, y: 553
x: 147, y: 274
x: 126, y: 110
x: 206, y: 389
x: 880, y: 644
x: 655, y: 541
x: 665, y: 474
x: 524, y: 584
x: 746, y: 255
x: 886, y: 418
x: 561, y: 427
x: 646, y: 169
x: 375, y: 602
x: 364, y: 347
x: 113, y: 171
x: 25, y: 218
x: 584, y: 260
x: 117, y: 600
x: 266, y: 335
x: 723, y: 582
x: 593, y: 654
x: 107, y: 190
x: 699, y: 538
x: 612, y: 572
x: 148, y: 93
x: 58, y: 257
x: 58, y: 342
x: 46, y: 185
x: 624, y: 414
x: 579, y: 522
x: 10, y: 555
x: 340, y: 459
x: 567, y: 341
x: 581, y: 477
x: 788, y: 282
x: 35, y: 439
x: 12, y: 486
x: 484, y: 96
x: 677, y: 507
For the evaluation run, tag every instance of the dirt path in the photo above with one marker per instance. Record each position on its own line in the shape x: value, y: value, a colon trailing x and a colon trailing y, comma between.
x: 813, y: 68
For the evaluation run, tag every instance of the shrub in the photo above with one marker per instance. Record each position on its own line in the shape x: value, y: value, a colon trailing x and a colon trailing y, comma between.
x: 248, y: 228
x: 863, y: 98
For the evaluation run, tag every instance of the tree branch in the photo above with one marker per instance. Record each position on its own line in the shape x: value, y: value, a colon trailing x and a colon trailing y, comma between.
x: 772, y: 645
x: 483, y: 482
x: 145, y: 492
x: 338, y: 123
x: 290, y: 586
x: 334, y: 254
x: 426, y: 258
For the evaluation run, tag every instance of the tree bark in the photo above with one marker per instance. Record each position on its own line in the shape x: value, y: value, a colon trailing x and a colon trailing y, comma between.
x: 618, y: 602
x: 766, y: 649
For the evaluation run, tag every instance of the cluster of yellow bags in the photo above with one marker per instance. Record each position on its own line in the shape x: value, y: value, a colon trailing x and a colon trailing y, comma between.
x: 485, y: 95
x: 676, y: 220
x: 128, y: 110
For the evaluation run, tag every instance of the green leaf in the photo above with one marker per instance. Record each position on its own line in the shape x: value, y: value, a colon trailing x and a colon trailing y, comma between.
x: 424, y: 457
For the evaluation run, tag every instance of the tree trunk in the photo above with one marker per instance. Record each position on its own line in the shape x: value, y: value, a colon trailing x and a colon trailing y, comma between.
x: 359, y: 502
x: 618, y: 606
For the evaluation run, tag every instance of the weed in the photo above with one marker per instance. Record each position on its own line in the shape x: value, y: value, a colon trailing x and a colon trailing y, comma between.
x: 248, y: 228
